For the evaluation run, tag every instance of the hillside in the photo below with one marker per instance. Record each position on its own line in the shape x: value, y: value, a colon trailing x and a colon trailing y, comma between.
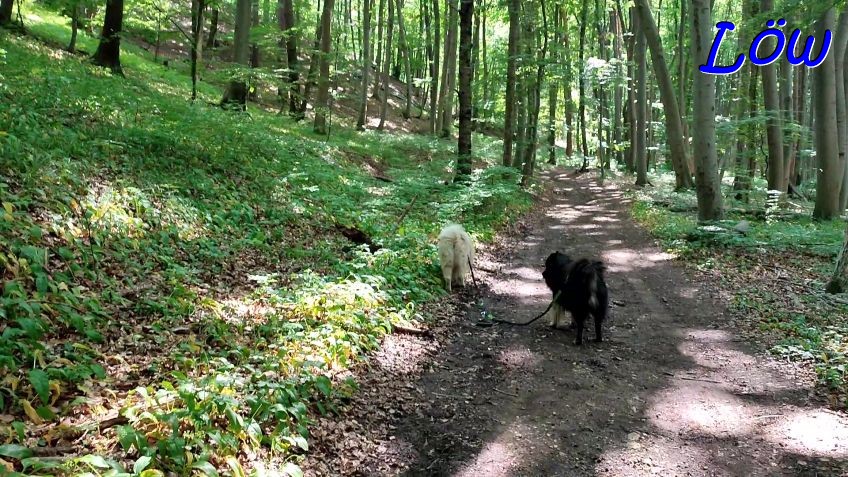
x: 177, y: 292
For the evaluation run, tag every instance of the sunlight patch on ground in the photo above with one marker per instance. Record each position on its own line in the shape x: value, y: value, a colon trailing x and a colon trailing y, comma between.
x: 519, y: 357
x: 500, y: 456
x: 689, y: 407
x: 525, y: 273
x: 646, y: 454
x: 520, y: 288
x: 811, y: 432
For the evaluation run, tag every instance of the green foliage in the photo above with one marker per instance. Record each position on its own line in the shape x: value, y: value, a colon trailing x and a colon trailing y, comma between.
x: 192, y: 254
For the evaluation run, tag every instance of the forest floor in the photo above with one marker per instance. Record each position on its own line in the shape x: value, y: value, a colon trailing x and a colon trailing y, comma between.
x: 673, y: 390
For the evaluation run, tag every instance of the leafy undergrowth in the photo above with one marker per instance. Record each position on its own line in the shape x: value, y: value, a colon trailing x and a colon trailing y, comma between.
x: 774, y: 264
x: 176, y: 296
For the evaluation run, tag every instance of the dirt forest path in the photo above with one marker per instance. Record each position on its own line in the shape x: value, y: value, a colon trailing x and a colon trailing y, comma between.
x: 673, y: 391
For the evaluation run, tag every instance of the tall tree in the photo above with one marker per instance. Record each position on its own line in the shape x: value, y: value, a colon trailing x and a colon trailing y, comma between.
x: 771, y: 106
x: 108, y: 54
x: 466, y: 14
x: 403, y: 45
x: 673, y: 122
x: 366, y: 66
x: 197, y: 9
x: 511, y: 69
x: 640, y: 105
x: 581, y: 99
x: 322, y: 100
x: 287, y: 23
x: 829, y: 176
x: 387, y: 65
x: 435, y: 95
x: 707, y: 182
x: 212, y: 38
x: 449, y: 76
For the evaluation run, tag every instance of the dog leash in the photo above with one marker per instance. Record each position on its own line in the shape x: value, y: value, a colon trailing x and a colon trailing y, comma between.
x: 487, y: 323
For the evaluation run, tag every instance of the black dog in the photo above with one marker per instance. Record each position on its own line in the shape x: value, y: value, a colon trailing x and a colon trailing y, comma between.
x: 582, y: 291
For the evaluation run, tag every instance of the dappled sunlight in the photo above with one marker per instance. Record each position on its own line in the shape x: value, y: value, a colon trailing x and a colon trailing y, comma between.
x: 519, y: 357
x: 811, y: 432
x: 695, y: 407
x: 525, y: 273
x: 501, y: 455
x: 651, y: 454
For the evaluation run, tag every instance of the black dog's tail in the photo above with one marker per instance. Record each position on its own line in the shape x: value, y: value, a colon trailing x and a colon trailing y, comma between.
x: 590, y: 274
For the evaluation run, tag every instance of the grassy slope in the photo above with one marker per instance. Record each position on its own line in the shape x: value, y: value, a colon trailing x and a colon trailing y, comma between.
x: 775, y: 275
x: 174, y: 267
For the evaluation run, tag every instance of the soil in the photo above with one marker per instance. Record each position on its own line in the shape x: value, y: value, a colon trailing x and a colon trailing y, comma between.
x: 673, y: 389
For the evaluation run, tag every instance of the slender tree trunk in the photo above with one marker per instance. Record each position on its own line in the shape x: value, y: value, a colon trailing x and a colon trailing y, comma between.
x: 485, y: 82
x: 466, y: 14
x: 582, y: 85
x: 615, y: 22
x: 387, y: 65
x: 511, y: 70
x: 788, y: 114
x: 290, y: 35
x: 743, y: 138
x: 381, y: 20
x: 566, y: 93
x: 211, y: 40
x: 75, y: 12
x: 435, y: 93
x: 829, y: 176
x: 630, y: 108
x: 322, y: 100
x: 771, y: 104
x: 673, y: 123
x: 108, y: 54
x: 449, y: 81
x: 366, y: 66
x: 198, y: 7
x: 641, y: 101
x: 708, y: 184
x: 407, y: 68
x: 475, y: 67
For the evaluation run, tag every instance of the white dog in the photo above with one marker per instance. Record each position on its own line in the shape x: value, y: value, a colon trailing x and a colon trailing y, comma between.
x: 456, y: 254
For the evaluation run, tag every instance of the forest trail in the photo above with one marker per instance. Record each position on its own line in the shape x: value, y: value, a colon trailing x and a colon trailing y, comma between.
x: 672, y: 390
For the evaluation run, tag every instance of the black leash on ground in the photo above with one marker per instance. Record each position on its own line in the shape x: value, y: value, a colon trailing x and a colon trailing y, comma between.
x: 495, y: 320
x: 472, y: 272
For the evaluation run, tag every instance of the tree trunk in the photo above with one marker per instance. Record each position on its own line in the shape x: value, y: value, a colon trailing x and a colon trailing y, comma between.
x: 788, y: 113
x: 387, y: 65
x: 673, y: 123
x: 75, y: 13
x: 435, y: 94
x: 198, y: 7
x: 771, y: 105
x: 407, y: 68
x: 211, y: 40
x: 366, y: 66
x: 511, y: 70
x: 449, y: 80
x: 630, y: 107
x: 466, y: 14
x: 582, y: 85
x: 707, y: 182
x: 322, y: 100
x: 641, y: 101
x: 6, y: 7
x: 287, y: 25
x: 829, y: 176
x: 241, y: 36
x: 108, y: 54
x: 381, y: 20
x: 615, y: 22
x: 839, y: 48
